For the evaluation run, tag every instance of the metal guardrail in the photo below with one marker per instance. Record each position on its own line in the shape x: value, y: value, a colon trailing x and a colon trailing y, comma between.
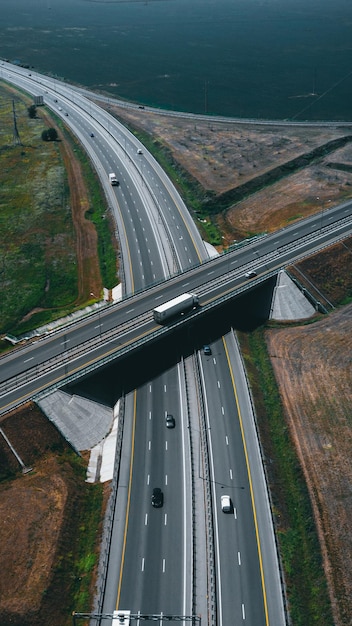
x: 209, y: 514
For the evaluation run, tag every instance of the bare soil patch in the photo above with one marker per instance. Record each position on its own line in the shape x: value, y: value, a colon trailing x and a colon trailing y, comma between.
x: 223, y: 156
x: 312, y: 365
x: 89, y: 277
x: 327, y: 275
x: 40, y: 513
x: 32, y: 507
x: 310, y: 190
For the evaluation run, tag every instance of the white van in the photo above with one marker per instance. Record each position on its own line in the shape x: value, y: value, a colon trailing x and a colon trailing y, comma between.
x: 226, y: 504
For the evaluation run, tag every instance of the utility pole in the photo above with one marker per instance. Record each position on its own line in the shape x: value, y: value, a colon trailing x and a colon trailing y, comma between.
x: 16, y: 136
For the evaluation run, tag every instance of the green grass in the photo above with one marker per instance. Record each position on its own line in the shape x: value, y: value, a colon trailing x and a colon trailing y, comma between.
x: 38, y: 266
x: 34, y: 220
x: 307, y: 592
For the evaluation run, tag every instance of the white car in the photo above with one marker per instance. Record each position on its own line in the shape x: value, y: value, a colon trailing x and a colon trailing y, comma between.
x: 226, y: 505
x: 250, y: 274
x: 139, y: 151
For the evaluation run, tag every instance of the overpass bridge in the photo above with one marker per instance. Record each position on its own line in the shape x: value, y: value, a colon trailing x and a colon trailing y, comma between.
x: 128, y: 328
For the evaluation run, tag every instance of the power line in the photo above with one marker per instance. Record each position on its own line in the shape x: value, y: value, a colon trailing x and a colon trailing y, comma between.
x: 16, y: 136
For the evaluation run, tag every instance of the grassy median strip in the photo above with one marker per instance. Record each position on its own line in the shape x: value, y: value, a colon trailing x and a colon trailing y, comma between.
x: 308, y: 599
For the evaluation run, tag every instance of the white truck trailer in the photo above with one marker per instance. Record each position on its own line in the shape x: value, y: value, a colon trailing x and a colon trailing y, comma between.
x: 112, y: 178
x: 178, y: 306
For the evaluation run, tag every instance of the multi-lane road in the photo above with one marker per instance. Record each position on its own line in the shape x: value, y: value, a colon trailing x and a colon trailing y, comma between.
x: 152, y: 568
x: 114, y: 330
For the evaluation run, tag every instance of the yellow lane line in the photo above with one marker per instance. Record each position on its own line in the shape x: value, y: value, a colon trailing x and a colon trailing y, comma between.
x: 128, y: 501
x: 250, y: 486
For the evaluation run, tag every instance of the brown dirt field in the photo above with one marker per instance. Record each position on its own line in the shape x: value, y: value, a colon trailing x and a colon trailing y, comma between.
x: 327, y: 275
x: 312, y: 365
x: 313, y: 189
x: 223, y: 156
x: 38, y: 528
x: 32, y: 510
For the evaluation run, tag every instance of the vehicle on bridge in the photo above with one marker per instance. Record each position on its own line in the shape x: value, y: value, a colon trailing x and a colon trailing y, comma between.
x: 178, y: 306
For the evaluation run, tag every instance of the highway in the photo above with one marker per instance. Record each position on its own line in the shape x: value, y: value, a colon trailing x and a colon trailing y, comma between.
x: 110, y: 333
x: 235, y: 533
x: 158, y: 240
x: 150, y: 253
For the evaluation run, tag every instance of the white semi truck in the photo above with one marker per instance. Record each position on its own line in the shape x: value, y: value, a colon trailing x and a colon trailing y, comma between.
x: 112, y: 178
x: 178, y: 306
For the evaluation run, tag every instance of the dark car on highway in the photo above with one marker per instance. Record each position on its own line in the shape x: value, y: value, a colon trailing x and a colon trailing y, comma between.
x: 170, y: 421
x: 157, y: 498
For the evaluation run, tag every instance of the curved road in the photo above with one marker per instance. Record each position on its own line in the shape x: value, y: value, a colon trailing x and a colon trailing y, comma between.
x: 158, y: 238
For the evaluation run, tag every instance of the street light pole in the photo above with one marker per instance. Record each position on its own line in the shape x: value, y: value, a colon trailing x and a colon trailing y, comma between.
x: 93, y: 294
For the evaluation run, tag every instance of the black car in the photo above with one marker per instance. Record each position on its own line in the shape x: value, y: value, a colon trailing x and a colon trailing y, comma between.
x: 170, y: 421
x: 207, y: 350
x: 157, y: 498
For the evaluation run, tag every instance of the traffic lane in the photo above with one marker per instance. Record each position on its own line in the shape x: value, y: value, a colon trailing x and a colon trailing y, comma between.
x: 191, y: 248
x: 35, y: 380
x: 140, y: 232
x: 238, y: 560
x: 154, y: 535
x: 120, y: 151
x: 144, y: 268
x: 237, y: 471
x: 266, y: 533
x: 166, y: 398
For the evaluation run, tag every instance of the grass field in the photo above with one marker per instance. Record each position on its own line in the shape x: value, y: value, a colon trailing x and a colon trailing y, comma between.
x: 37, y: 238
x: 55, y: 247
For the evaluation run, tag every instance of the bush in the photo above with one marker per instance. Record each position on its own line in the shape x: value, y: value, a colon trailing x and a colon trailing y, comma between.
x: 32, y: 111
x: 49, y: 135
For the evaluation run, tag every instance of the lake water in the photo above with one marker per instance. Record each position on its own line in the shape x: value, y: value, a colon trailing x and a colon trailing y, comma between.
x: 248, y: 58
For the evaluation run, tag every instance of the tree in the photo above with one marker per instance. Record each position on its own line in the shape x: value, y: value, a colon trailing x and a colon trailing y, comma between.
x: 32, y: 111
x: 52, y: 133
x: 49, y: 135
